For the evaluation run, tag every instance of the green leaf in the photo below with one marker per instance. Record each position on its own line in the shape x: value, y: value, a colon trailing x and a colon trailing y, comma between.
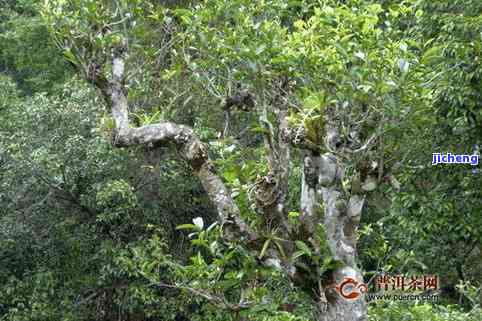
x: 293, y: 214
x: 297, y: 254
x: 303, y: 247
x: 260, y: 49
x: 70, y: 57
x: 280, y: 248
x: 264, y: 249
x: 432, y: 55
x: 186, y: 227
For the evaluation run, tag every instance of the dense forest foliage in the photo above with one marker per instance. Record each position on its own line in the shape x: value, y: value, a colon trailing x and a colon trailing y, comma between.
x: 238, y: 159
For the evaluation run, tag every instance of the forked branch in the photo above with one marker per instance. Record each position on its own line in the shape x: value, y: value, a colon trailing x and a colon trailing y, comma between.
x: 181, y: 137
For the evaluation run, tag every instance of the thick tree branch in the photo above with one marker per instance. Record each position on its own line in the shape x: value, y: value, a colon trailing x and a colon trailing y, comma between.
x: 278, y: 158
x: 182, y: 137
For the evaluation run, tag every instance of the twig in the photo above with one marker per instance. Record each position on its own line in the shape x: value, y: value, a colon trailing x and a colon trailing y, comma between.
x: 217, y: 300
x: 365, y: 146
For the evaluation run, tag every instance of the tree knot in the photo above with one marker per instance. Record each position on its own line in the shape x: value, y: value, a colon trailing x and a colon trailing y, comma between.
x: 267, y: 191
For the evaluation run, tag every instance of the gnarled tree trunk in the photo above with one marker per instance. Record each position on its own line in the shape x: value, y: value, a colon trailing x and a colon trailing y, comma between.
x: 321, y: 188
x: 325, y: 202
x: 341, y: 218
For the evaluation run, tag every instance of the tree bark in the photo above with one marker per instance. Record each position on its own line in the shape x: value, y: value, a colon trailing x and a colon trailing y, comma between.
x: 275, y: 184
x: 309, y: 198
x: 192, y: 150
x: 341, y: 218
x: 321, y: 189
x: 342, y: 212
